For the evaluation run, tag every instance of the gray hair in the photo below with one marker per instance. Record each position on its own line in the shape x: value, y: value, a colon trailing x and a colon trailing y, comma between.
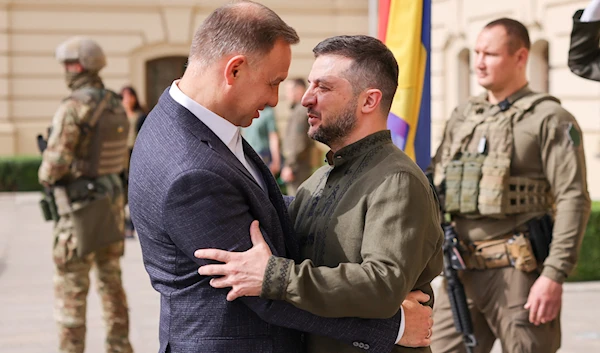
x: 240, y: 27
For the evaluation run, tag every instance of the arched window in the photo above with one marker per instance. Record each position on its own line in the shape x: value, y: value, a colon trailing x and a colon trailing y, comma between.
x: 538, y: 66
x: 160, y: 73
x: 464, y: 76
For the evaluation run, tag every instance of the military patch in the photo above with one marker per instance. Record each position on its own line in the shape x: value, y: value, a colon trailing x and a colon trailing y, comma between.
x: 573, y: 134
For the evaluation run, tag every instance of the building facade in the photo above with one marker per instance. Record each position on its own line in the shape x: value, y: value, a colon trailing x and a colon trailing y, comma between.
x: 147, y: 42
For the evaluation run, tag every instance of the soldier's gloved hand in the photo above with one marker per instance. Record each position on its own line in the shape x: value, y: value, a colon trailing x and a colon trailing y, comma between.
x: 417, y: 319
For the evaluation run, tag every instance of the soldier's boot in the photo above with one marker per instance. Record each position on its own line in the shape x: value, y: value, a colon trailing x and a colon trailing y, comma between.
x: 114, y: 300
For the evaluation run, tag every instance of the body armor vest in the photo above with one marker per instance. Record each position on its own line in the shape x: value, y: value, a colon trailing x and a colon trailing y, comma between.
x: 478, y: 180
x: 104, y: 130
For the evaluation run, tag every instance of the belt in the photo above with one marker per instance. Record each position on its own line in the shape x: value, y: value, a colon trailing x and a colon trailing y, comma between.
x: 508, y: 250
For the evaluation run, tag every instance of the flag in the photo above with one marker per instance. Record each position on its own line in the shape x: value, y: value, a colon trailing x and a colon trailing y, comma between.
x: 405, y: 27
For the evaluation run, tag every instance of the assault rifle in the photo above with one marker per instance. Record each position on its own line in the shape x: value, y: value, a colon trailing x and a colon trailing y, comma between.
x: 456, y: 292
x: 453, y: 262
x: 47, y: 203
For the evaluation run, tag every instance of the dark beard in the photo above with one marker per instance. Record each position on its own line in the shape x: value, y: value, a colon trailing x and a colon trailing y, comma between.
x: 337, y: 130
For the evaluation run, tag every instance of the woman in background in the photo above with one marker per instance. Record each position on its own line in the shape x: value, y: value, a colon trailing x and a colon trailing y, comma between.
x: 136, y: 115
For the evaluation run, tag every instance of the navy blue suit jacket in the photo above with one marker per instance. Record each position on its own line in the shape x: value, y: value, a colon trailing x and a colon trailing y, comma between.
x: 188, y: 191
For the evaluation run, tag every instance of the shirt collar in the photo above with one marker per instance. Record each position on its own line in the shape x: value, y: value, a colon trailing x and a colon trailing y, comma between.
x: 507, y: 102
x: 358, y: 148
x: 225, y: 130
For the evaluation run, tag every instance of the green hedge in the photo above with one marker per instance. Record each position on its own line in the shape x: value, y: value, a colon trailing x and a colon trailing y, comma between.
x: 19, y: 173
x: 588, y: 266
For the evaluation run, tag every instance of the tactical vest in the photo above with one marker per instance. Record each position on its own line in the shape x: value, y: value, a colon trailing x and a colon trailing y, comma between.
x: 478, y: 180
x: 104, y: 130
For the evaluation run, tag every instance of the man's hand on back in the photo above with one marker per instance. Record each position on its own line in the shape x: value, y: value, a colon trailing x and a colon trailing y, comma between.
x: 417, y: 319
x: 243, y: 271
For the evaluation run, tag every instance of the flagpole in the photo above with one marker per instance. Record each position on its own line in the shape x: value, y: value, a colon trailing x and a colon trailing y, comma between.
x: 373, y: 17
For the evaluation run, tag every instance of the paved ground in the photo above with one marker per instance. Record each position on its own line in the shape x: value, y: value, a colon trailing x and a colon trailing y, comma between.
x: 27, y: 326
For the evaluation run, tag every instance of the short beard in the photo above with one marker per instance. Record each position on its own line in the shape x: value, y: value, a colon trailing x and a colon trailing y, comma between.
x: 338, y: 129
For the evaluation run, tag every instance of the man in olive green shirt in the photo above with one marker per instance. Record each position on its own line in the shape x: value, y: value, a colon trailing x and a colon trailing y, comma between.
x: 536, y: 144
x: 367, y: 222
x: 297, y: 146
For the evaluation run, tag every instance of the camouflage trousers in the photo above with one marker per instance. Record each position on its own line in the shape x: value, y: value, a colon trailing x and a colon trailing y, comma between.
x: 71, y: 285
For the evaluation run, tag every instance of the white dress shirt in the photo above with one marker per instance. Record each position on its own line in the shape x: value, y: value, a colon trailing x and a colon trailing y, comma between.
x: 225, y: 131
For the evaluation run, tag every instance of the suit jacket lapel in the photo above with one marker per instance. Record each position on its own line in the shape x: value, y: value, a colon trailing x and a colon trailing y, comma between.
x: 206, y: 135
x: 291, y: 244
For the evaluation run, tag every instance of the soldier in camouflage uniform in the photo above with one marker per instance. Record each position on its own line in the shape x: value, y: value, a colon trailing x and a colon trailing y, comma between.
x: 87, y: 146
x: 513, y: 164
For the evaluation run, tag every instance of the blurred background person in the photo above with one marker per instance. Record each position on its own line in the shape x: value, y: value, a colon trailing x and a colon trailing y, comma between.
x: 584, y: 51
x: 296, y: 145
x: 85, y: 154
x: 263, y: 137
x: 135, y: 112
x: 136, y: 115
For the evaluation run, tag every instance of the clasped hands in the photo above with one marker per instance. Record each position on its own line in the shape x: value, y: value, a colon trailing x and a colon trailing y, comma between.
x: 244, y: 272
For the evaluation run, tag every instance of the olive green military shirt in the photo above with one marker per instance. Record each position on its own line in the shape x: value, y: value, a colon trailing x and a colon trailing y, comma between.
x: 547, y: 144
x: 369, y: 228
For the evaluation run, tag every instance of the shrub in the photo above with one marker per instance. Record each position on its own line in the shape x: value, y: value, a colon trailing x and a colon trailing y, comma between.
x: 588, y: 266
x: 19, y: 173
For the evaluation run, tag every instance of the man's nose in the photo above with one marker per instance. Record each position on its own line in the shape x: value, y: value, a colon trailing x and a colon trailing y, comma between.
x: 308, y: 98
x: 274, y: 98
x: 479, y: 63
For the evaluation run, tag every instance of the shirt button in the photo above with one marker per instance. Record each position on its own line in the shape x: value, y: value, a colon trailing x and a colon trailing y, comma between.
x: 355, y: 344
x: 367, y: 346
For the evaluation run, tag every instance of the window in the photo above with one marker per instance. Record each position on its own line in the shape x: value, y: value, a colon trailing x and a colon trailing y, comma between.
x: 160, y: 73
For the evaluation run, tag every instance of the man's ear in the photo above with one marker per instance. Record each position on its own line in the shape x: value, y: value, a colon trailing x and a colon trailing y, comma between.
x: 522, y: 56
x: 233, y: 68
x: 371, y: 100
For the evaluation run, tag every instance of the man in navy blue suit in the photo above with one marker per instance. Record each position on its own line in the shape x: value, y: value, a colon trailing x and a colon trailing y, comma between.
x: 195, y: 183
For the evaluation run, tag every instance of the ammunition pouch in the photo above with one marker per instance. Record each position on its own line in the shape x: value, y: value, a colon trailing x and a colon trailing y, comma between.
x: 470, y: 184
x: 48, y: 207
x: 87, y: 202
x: 479, y: 185
x: 512, y: 250
x: 493, y: 185
x: 454, y: 172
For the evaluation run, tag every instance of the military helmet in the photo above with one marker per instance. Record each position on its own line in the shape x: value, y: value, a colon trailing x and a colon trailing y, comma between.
x: 84, y: 50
